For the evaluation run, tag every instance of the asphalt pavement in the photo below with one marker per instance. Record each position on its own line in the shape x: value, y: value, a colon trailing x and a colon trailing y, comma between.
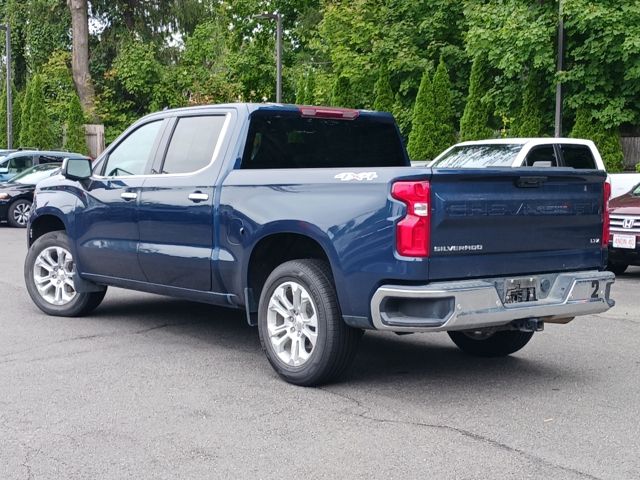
x: 150, y: 387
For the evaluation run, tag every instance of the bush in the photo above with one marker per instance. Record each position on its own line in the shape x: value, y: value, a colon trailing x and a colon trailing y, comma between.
x: 607, y: 140
x: 39, y: 132
x: 529, y: 121
x: 342, y: 93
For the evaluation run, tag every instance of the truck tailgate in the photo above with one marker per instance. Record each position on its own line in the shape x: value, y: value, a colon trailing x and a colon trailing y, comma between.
x: 515, y: 221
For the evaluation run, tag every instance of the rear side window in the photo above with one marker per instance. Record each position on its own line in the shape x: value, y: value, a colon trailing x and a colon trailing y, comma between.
x: 292, y: 141
x: 544, y: 154
x: 18, y: 164
x: 193, y: 143
x: 578, y: 156
x: 48, y: 159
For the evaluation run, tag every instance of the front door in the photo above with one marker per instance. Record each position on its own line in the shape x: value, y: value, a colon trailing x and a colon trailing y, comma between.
x: 107, y: 226
x: 176, y: 213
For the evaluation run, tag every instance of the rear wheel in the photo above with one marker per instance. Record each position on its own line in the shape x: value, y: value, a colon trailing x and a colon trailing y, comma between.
x: 300, y: 324
x: 18, y: 214
x: 490, y: 344
x: 50, y: 274
x: 617, y: 268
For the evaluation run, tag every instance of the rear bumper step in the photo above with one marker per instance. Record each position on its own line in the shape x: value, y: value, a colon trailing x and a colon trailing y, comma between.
x: 471, y: 304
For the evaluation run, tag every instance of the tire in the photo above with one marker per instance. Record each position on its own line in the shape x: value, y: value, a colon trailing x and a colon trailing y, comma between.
x: 497, y: 344
x: 49, y: 271
x: 18, y: 213
x: 283, y: 318
x: 617, y: 268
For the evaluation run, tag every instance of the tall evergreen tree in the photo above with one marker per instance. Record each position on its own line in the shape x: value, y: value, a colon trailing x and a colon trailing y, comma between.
x: 529, y: 122
x: 444, y: 132
x: 474, y: 124
x: 421, y: 146
x: 39, y: 127
x: 607, y: 140
x: 342, y: 93
x: 301, y: 93
x: 75, y: 139
x: 17, y: 117
x: 384, y: 99
x: 310, y: 90
x: 25, y: 139
x: 3, y: 117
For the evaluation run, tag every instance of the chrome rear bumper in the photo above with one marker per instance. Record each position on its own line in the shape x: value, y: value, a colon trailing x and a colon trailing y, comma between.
x: 469, y: 304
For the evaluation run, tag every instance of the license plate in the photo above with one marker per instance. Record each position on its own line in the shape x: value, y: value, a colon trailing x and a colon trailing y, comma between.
x: 520, y: 290
x: 624, y: 241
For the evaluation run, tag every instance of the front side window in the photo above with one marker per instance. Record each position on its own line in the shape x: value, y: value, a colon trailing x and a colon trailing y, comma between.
x: 193, y: 143
x: 132, y: 155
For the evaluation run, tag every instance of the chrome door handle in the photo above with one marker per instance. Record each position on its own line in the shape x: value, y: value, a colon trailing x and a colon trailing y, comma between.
x: 198, y: 197
x: 129, y: 195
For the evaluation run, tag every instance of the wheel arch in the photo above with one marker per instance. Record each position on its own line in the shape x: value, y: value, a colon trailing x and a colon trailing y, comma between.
x: 276, y: 247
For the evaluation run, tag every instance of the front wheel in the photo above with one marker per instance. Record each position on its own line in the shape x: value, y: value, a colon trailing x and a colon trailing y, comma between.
x: 300, y: 324
x: 50, y: 273
x: 490, y: 344
x: 18, y: 214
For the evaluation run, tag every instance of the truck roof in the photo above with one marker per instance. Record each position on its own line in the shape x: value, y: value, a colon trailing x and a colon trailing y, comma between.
x: 524, y: 141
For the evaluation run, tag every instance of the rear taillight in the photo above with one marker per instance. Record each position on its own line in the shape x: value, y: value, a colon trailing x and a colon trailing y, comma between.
x: 413, y: 231
x: 605, y: 213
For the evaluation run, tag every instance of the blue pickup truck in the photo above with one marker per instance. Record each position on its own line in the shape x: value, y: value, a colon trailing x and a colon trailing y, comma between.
x: 312, y: 221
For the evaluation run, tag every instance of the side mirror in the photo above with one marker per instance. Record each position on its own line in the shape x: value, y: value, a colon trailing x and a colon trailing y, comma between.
x: 3, y: 170
x: 76, y: 168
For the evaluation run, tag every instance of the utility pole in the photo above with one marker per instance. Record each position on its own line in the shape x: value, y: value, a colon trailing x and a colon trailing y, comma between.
x: 278, y: 18
x: 7, y: 29
x: 558, y: 122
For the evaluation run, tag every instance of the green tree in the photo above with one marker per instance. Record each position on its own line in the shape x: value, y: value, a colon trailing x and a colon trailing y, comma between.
x: 75, y: 139
x: 301, y: 90
x: 40, y: 134
x: 310, y: 90
x: 421, y: 146
x: 383, y: 93
x: 3, y: 116
x: 25, y: 139
x: 17, y: 117
x: 342, y: 93
x: 474, y: 124
x: 529, y: 122
x: 444, y: 132
x: 606, y: 139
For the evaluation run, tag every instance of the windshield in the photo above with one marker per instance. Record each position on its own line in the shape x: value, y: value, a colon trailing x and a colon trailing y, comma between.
x: 33, y: 175
x: 479, y: 156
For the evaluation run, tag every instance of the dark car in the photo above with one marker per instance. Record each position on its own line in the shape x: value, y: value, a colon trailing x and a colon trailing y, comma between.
x: 17, y: 162
x: 16, y: 195
x: 624, y: 248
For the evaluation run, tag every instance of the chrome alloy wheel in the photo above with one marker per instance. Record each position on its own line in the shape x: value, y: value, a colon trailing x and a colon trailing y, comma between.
x: 53, y: 274
x: 21, y: 213
x: 292, y: 323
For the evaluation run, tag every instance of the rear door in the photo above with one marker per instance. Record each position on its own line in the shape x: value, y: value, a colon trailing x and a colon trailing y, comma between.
x: 176, y: 213
x: 515, y: 221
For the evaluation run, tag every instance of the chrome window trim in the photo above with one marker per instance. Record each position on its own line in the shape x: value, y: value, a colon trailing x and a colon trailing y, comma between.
x: 214, y: 157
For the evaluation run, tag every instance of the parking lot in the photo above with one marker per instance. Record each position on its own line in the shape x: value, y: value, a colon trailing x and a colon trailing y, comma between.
x: 151, y: 387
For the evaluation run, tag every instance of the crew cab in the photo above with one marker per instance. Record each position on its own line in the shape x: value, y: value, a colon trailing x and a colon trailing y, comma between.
x: 522, y: 152
x: 312, y: 221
